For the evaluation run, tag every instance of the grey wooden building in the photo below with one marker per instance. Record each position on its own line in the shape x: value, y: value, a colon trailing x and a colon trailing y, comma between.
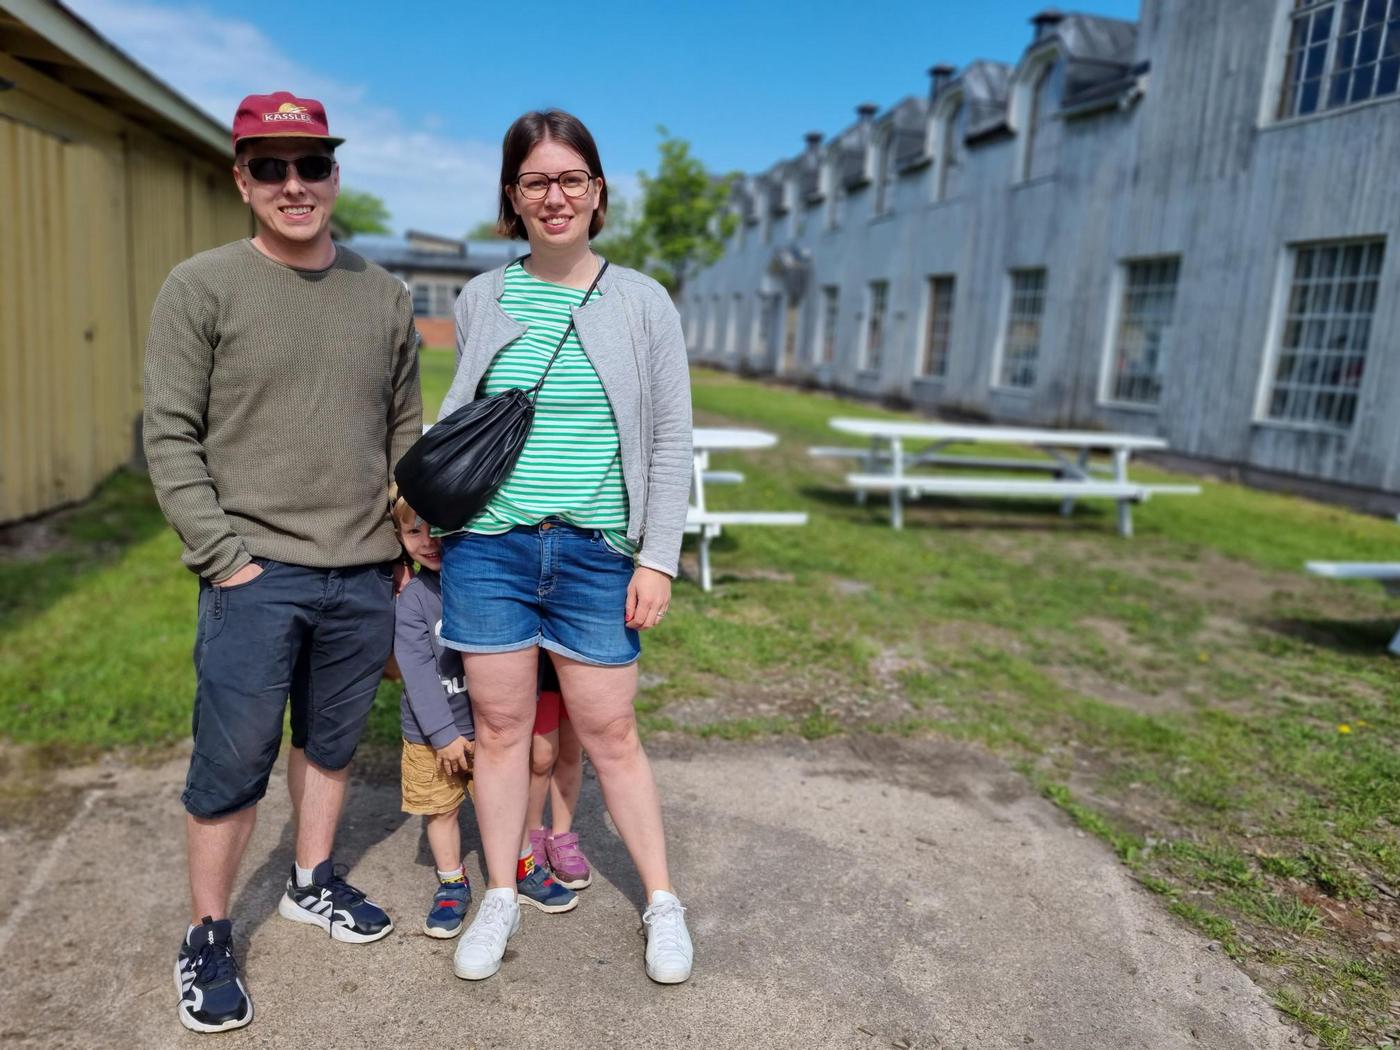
x: 1186, y: 226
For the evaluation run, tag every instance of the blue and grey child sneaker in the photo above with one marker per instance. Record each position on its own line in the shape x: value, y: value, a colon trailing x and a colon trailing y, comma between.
x: 449, y: 908
x: 334, y: 905
x: 540, y: 889
x: 212, y: 995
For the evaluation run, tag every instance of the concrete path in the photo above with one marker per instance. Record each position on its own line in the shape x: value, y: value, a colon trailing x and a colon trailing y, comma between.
x: 855, y: 893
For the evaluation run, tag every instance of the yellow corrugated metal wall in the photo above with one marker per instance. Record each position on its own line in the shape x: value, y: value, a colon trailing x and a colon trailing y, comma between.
x: 94, y: 211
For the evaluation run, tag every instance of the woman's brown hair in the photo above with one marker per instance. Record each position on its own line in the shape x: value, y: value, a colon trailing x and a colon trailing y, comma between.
x: 525, y: 134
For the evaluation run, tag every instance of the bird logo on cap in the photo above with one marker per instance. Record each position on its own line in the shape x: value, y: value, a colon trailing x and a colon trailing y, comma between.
x: 290, y: 107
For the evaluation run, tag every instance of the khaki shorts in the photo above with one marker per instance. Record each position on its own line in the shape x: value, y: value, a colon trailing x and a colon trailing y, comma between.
x: 426, y: 789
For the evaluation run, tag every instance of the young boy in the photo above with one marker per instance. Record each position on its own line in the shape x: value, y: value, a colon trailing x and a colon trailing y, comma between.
x: 438, y: 736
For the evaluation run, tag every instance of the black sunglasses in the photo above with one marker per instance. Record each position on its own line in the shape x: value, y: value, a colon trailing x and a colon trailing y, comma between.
x: 315, y: 167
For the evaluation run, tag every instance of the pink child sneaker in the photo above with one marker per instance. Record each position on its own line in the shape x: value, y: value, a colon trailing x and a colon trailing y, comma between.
x: 567, y: 861
x: 538, y: 840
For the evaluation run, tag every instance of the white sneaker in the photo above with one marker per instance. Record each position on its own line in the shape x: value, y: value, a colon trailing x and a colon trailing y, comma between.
x: 669, y: 951
x: 479, y: 951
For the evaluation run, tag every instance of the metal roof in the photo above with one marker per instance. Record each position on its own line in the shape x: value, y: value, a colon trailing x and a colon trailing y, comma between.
x: 1101, y: 68
x: 49, y: 37
x: 394, y: 253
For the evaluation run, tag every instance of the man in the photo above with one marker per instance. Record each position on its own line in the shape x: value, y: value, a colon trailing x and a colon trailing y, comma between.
x: 281, y: 387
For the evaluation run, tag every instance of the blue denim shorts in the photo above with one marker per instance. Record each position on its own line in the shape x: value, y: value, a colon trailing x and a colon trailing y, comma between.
x: 552, y: 585
x: 320, y: 637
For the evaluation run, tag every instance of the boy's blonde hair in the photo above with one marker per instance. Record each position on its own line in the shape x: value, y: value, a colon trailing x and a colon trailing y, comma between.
x: 405, y: 517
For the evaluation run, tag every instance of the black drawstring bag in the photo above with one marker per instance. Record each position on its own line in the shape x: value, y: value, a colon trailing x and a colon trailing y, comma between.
x: 453, y: 470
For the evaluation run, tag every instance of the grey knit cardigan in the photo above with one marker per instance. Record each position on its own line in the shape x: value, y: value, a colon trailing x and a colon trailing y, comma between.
x: 631, y: 333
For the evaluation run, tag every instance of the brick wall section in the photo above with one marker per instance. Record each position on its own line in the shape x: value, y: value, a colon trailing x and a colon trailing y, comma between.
x: 437, y: 331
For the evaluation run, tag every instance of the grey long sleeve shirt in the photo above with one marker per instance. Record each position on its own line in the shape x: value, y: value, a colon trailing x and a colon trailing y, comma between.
x: 435, y: 709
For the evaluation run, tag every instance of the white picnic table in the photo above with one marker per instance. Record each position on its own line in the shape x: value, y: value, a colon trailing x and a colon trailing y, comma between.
x: 707, y: 524
x: 885, y: 464
x: 1387, y: 573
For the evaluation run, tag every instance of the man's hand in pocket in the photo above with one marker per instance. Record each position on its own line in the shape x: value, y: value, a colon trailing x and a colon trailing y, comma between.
x: 247, y: 574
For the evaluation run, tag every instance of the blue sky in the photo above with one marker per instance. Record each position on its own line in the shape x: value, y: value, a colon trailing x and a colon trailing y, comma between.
x: 424, y: 91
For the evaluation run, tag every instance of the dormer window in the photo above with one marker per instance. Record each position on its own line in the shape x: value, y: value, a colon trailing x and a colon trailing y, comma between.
x: 1043, y: 124
x: 884, y: 171
x: 952, y: 152
x: 791, y: 204
x: 835, y: 192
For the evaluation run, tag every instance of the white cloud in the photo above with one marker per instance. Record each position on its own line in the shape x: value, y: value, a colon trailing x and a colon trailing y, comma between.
x: 429, y: 181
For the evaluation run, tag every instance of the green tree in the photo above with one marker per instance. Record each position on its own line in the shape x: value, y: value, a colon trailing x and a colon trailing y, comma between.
x: 485, y: 230
x: 625, y: 239
x: 361, y: 212
x: 684, y: 212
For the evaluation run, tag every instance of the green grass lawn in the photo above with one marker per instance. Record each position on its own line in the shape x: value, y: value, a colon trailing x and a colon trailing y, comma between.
x: 1226, y: 723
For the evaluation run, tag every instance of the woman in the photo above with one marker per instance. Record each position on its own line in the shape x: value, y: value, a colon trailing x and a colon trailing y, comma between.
x: 576, y: 552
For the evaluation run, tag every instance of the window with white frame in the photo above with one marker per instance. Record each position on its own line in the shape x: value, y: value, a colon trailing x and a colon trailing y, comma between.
x: 1340, y: 52
x: 443, y: 300
x: 1143, y: 336
x: 1021, y: 344
x: 790, y: 315
x: 731, y: 330
x: 872, y: 352
x: 826, y: 331
x: 884, y: 168
x: 1326, y: 332
x: 953, y: 153
x: 938, y: 327
x: 712, y: 324
x: 756, y: 349
x: 422, y: 299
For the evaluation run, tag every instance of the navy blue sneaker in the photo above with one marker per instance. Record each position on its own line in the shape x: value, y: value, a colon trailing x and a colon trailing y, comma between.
x: 449, y: 908
x: 334, y: 905
x: 212, y: 996
x: 540, y: 889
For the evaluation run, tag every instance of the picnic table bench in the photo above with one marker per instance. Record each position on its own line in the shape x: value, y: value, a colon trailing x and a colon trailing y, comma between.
x: 1387, y: 573
x: 707, y: 524
x: 885, y: 464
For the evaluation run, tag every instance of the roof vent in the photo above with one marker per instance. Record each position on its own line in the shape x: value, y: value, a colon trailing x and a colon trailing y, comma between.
x: 1046, y: 21
x: 866, y: 111
x: 939, y: 76
x: 813, y: 140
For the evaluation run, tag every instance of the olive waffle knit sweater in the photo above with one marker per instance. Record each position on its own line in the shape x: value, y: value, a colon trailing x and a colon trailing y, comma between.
x: 277, y: 402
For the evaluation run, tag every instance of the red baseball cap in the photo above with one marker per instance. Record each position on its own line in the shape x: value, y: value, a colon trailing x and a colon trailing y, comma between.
x: 281, y: 115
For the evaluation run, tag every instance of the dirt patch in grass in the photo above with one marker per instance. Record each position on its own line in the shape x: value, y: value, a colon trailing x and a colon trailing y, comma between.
x: 849, y: 588
x: 801, y: 694
x: 32, y: 540
x: 954, y: 636
x: 1086, y: 681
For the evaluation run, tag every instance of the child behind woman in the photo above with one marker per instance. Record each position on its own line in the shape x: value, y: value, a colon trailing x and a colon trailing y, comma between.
x: 556, y: 777
x: 438, y: 736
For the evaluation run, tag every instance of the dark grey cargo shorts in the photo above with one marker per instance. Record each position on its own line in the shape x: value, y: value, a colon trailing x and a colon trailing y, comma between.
x: 318, y: 636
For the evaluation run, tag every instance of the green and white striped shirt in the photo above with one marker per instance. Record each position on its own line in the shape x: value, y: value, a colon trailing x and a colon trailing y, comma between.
x: 571, y: 466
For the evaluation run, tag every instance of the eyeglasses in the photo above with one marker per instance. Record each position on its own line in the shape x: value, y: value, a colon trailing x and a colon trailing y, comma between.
x: 315, y: 167
x: 534, y: 185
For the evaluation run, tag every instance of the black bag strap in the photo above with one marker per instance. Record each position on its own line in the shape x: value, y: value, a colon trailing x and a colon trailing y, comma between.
x: 534, y: 391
